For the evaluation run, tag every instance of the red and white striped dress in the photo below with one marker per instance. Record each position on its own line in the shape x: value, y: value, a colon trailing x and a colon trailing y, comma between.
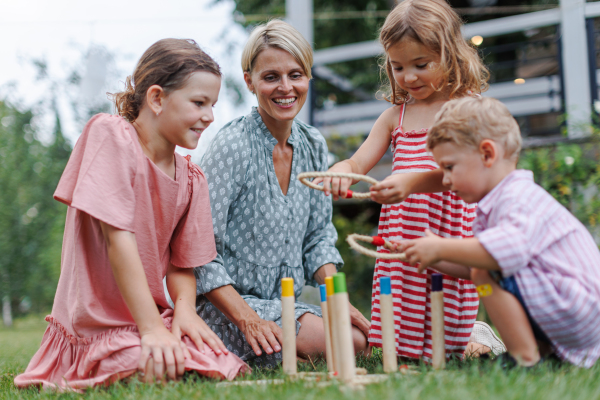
x: 445, y: 214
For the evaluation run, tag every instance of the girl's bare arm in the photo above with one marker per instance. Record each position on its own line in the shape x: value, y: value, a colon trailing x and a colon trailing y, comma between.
x: 181, y: 284
x: 164, y: 348
x: 365, y: 158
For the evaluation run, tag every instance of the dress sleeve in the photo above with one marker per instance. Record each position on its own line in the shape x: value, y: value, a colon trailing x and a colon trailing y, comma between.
x: 510, y: 241
x: 318, y: 247
x: 225, y: 164
x: 193, y: 241
x: 100, y: 174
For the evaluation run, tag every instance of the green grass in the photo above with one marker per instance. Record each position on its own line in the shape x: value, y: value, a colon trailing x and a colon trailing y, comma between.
x: 461, y: 380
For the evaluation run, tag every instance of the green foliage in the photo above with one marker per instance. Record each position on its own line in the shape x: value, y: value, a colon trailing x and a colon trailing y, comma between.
x: 31, y: 221
x: 571, y: 174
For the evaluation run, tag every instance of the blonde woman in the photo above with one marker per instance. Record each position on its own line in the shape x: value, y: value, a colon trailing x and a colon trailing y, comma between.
x: 267, y: 225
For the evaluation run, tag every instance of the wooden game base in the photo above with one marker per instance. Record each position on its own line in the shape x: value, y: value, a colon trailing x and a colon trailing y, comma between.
x: 323, y: 379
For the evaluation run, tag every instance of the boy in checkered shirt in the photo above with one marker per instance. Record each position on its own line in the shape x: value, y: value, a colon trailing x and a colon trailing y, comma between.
x: 536, y: 267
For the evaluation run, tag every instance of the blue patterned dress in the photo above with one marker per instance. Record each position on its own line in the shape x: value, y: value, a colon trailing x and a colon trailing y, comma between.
x: 262, y: 235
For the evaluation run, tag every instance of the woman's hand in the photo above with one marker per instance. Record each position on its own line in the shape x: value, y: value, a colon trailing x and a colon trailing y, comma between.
x: 258, y: 332
x: 187, y: 322
x: 423, y: 250
x: 337, y: 186
x: 393, y: 189
x: 162, y: 352
x: 261, y: 333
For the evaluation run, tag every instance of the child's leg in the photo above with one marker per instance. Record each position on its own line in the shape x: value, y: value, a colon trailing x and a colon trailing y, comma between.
x: 510, y: 319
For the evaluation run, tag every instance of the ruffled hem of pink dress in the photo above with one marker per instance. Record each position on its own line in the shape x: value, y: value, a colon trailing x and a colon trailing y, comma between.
x: 65, y: 362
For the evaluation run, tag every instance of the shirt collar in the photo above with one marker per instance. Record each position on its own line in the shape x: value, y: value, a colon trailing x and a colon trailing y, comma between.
x: 486, y: 204
x: 268, y: 140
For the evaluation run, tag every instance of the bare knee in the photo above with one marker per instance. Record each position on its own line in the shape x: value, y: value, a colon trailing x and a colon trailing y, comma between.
x: 311, y: 337
x: 361, y: 344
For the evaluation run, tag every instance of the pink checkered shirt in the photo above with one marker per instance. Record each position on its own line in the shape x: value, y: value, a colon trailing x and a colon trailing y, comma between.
x: 554, y: 260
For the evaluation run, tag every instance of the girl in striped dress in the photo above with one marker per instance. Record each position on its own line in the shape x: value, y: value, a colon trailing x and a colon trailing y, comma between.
x: 427, y: 63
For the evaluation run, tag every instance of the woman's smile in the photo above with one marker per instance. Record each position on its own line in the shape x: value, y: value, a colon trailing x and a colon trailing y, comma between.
x: 285, y: 102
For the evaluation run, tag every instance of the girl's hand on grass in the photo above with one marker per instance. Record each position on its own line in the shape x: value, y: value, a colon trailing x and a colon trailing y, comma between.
x: 338, y: 187
x: 393, y: 189
x: 187, y: 322
x: 423, y: 250
x: 162, y: 353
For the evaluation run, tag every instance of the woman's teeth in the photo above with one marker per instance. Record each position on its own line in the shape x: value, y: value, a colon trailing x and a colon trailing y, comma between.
x: 285, y: 101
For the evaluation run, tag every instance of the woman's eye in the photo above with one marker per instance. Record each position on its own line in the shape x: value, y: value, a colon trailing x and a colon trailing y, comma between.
x: 397, y: 69
x: 449, y: 167
x: 421, y: 66
x: 270, y: 78
x: 199, y: 103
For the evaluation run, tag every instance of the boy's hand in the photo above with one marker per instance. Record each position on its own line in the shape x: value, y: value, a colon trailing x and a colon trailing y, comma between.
x: 393, y: 189
x: 423, y: 250
x: 187, y: 322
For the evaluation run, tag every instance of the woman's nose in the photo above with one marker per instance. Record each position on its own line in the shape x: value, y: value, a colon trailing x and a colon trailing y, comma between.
x: 285, y: 85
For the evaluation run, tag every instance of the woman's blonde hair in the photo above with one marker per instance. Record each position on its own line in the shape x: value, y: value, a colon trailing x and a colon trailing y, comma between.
x: 280, y: 35
x: 434, y: 24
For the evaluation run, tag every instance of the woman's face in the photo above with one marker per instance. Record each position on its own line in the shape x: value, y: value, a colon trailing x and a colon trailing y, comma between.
x: 279, y: 83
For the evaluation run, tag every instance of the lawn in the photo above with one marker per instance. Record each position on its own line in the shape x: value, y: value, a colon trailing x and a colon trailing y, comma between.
x: 461, y: 380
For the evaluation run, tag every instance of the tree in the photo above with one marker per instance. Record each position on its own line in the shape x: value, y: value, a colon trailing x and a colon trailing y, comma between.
x: 31, y: 222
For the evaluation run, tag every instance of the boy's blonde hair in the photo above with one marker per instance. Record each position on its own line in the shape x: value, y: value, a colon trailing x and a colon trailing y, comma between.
x: 280, y: 35
x: 434, y: 24
x: 470, y: 120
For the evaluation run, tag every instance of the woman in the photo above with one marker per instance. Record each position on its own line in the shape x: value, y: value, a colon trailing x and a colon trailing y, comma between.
x: 267, y: 224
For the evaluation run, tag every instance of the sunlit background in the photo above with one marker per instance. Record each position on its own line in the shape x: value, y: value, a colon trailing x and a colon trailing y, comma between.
x: 67, y: 54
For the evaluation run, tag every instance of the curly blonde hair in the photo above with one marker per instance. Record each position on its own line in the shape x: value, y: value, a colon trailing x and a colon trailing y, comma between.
x: 435, y: 25
x: 470, y: 120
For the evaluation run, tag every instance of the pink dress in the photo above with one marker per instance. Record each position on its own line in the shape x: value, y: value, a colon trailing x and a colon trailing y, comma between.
x: 444, y: 214
x: 92, y: 338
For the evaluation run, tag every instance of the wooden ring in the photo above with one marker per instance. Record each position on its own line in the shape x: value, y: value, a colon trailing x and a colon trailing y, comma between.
x: 377, y: 241
x: 304, y: 176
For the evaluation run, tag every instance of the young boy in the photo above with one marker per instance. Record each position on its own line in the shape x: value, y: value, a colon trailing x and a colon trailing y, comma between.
x: 536, y: 267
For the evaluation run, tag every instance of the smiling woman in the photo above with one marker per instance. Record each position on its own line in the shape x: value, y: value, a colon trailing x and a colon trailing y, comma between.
x: 267, y: 224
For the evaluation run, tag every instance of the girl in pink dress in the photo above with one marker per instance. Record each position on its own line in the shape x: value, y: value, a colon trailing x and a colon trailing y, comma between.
x: 137, y: 212
x: 427, y: 63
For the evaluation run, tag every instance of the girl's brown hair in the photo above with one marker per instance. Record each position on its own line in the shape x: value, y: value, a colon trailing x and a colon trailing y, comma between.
x: 167, y: 63
x: 434, y: 24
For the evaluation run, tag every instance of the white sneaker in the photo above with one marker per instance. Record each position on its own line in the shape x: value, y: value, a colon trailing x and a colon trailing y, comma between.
x: 483, y: 334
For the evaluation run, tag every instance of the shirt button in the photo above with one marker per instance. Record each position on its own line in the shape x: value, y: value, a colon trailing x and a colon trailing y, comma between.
x: 287, y: 240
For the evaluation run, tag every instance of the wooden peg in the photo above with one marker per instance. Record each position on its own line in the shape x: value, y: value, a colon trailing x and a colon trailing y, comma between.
x: 388, y: 337
x: 344, y: 329
x: 288, y: 324
x: 331, y: 311
x: 327, y: 329
x: 438, y: 341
